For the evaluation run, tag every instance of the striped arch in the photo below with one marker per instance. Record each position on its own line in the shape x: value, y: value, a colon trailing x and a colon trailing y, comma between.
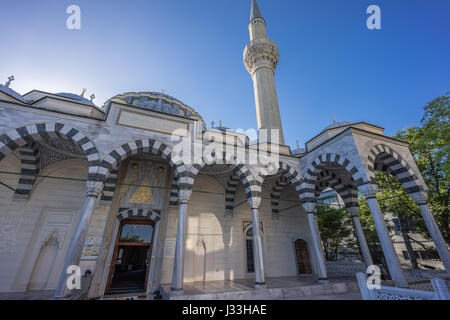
x: 383, y: 158
x: 173, y: 196
x: 288, y: 175
x: 348, y: 192
x: 110, y: 187
x: 30, y: 165
x: 308, y: 189
x: 125, y: 213
x: 27, y: 135
x: 252, y: 185
x: 115, y: 157
x: 230, y: 191
x: 240, y: 172
x: 280, y: 184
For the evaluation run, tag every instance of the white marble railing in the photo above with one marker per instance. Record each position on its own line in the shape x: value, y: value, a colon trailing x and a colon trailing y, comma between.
x: 344, y: 268
x: 412, y: 274
x: 440, y: 291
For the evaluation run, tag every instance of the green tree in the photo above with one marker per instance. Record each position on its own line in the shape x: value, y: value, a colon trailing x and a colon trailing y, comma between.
x: 335, y: 226
x: 429, y: 145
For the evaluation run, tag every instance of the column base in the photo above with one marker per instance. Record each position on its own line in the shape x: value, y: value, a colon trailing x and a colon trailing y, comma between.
x: 323, y: 280
x: 66, y: 297
x: 260, y: 285
x: 176, y: 292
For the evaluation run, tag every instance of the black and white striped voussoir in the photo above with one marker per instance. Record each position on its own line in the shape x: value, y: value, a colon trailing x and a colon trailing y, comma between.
x: 383, y: 158
x: 348, y: 193
x: 128, y: 149
x: 27, y: 135
x: 110, y: 187
x: 30, y: 165
x: 277, y: 189
x: 230, y: 191
x: 173, y: 197
x: 151, y: 214
x: 313, y: 174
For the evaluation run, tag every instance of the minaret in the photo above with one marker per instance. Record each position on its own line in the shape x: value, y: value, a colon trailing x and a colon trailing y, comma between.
x: 261, y: 59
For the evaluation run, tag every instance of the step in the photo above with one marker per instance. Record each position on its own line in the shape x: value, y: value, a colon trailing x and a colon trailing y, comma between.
x: 299, y: 292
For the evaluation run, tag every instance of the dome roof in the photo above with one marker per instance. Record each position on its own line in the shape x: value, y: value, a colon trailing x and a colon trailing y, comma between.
x: 158, y: 101
x: 338, y: 124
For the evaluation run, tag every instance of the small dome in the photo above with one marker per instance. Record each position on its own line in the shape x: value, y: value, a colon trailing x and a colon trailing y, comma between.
x: 339, y: 124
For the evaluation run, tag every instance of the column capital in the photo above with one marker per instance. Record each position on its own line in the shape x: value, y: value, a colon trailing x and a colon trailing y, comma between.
x: 254, y: 202
x: 354, y: 211
x: 419, y: 197
x: 309, y: 207
x: 93, y: 188
x: 368, y: 190
x: 184, y: 195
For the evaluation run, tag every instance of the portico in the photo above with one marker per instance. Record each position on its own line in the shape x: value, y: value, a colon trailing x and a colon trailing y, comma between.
x: 144, y: 196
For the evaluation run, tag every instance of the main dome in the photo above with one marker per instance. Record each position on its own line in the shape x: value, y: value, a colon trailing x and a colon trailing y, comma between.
x: 157, y: 101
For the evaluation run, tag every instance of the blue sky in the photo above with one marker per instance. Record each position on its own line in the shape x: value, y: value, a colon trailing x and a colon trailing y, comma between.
x: 330, y: 63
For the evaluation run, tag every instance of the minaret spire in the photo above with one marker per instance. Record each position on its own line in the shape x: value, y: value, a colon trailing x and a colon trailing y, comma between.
x: 261, y: 59
x: 255, y: 12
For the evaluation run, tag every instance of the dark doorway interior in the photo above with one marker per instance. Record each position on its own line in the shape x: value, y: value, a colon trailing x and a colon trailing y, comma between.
x: 131, y: 258
x: 130, y: 270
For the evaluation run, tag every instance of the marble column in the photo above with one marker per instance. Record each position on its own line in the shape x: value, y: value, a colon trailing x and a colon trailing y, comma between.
x: 258, y: 254
x: 77, y: 243
x: 370, y: 191
x: 421, y: 199
x: 153, y: 257
x: 354, y: 211
x: 178, y: 264
x: 317, y: 242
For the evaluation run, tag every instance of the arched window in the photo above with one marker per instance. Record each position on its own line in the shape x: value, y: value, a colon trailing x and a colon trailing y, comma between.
x: 249, y: 250
x: 248, y: 238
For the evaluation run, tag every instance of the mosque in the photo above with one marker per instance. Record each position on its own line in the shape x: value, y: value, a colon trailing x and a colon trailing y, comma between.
x: 142, y: 195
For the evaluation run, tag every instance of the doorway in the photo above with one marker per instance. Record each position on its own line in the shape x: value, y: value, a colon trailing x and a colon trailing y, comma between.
x: 301, y: 250
x: 131, y: 258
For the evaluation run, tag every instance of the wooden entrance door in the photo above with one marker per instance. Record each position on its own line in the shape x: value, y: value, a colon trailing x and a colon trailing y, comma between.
x: 301, y: 250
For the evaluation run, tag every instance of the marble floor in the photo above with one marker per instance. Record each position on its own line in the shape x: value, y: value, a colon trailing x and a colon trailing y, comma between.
x: 31, y: 295
x: 307, y: 287
x: 247, y: 284
x: 288, y: 288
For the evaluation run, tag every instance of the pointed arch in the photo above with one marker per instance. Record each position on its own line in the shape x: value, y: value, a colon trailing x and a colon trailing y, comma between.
x: 29, y: 134
x: 347, y: 190
x: 383, y: 158
x: 308, y: 189
x: 150, y: 146
x: 288, y: 175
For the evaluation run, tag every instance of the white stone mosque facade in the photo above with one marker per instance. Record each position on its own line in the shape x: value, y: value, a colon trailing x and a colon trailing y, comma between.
x: 141, y: 194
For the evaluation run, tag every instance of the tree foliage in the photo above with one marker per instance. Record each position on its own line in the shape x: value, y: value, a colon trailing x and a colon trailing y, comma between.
x: 335, y: 226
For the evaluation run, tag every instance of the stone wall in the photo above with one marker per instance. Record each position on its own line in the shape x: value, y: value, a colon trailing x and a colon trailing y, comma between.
x: 35, y: 234
x: 223, y: 234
